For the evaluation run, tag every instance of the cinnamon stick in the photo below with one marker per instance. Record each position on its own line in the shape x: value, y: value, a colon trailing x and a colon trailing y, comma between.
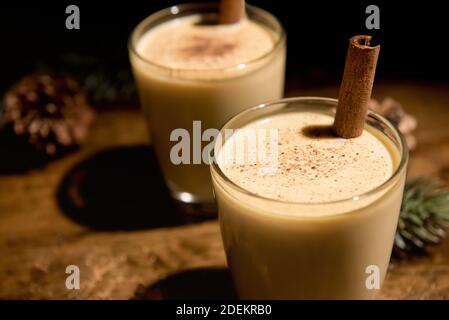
x: 356, y: 87
x: 231, y: 11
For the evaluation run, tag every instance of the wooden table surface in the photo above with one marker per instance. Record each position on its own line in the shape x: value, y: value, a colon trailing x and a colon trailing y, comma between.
x: 68, y: 213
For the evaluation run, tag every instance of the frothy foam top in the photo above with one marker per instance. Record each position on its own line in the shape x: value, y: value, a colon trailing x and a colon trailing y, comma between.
x: 313, y: 166
x: 186, y: 43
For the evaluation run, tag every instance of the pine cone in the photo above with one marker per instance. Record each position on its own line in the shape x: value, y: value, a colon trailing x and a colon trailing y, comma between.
x: 393, y: 111
x: 50, y: 111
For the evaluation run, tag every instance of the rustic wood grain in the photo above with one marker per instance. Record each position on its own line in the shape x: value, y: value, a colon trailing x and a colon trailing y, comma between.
x: 38, y: 239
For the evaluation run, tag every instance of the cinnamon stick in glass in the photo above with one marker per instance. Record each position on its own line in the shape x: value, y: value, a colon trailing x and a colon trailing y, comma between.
x: 231, y: 11
x: 356, y: 87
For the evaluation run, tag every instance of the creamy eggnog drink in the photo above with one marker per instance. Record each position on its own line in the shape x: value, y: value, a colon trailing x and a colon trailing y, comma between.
x: 319, y: 221
x: 190, y: 68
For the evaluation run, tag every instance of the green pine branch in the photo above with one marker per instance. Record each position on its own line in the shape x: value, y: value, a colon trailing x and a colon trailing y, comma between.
x: 105, y: 79
x: 424, y: 216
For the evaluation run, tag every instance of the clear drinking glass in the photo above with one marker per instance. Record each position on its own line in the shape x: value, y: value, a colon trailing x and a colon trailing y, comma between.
x: 281, y: 250
x: 174, y: 98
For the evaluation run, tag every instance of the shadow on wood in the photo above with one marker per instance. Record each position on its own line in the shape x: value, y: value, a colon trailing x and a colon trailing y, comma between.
x: 18, y: 156
x: 195, y: 284
x: 118, y: 189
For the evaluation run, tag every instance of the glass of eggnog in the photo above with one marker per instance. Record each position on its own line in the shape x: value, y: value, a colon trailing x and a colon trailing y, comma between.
x: 191, y: 71
x: 305, y: 214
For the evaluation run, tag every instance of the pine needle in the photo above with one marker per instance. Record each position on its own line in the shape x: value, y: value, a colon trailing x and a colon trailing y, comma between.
x: 423, y: 218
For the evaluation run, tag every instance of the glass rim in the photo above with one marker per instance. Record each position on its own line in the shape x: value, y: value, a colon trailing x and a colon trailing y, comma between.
x: 214, y: 167
x: 158, y: 15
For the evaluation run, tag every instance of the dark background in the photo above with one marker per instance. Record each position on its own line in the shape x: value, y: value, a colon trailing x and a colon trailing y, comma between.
x: 413, y: 35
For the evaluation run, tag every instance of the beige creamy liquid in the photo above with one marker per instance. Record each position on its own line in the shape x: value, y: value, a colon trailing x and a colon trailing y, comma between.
x: 299, y: 243
x: 311, y: 169
x: 187, y: 44
x: 207, y: 73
